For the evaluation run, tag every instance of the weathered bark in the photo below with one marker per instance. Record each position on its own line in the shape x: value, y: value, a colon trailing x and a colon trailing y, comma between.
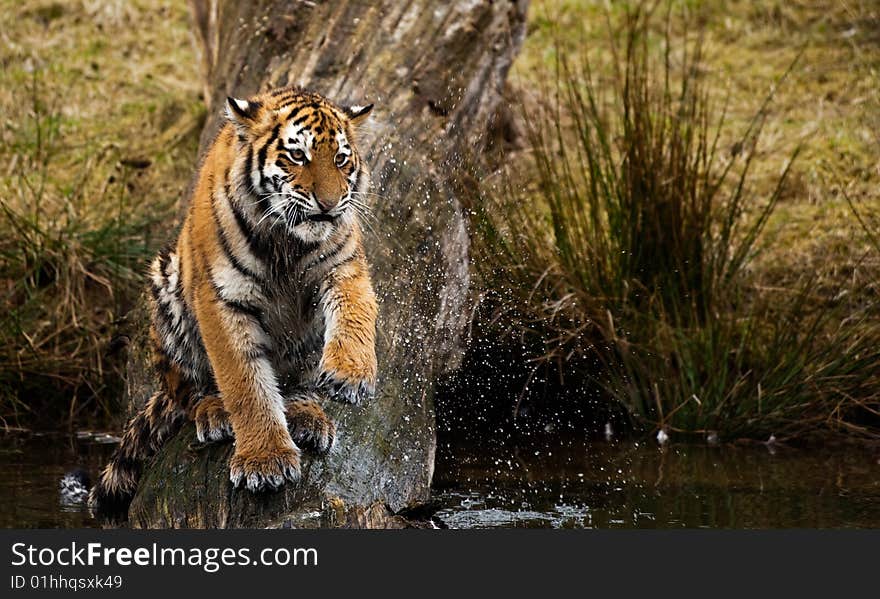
x: 435, y: 70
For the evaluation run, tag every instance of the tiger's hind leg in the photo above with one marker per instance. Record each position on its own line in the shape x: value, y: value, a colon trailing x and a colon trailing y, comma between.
x: 145, y: 433
x: 211, y: 420
x: 309, y: 425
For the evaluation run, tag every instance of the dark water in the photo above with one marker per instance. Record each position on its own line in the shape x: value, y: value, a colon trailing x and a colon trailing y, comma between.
x: 547, y: 483
x: 577, y: 484
x: 31, y: 467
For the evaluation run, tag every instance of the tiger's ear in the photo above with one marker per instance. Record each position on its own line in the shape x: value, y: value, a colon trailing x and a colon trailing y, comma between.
x: 358, y: 114
x: 241, y: 112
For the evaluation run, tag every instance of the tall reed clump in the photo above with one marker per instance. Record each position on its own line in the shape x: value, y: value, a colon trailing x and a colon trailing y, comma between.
x: 73, y: 241
x: 627, y: 255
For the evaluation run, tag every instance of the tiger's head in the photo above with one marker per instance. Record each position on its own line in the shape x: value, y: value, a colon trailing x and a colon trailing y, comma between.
x: 297, y: 155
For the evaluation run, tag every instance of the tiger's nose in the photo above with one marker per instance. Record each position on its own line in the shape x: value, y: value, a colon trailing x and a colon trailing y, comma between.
x: 327, y: 204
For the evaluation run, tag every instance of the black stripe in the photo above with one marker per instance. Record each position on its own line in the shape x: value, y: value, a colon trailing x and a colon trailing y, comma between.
x: 227, y: 249
x: 177, y: 288
x: 346, y: 261
x: 287, y: 89
x: 302, y: 122
x: 164, y: 319
x: 167, y: 330
x: 259, y: 247
x: 243, y: 225
x: 264, y: 150
x: 352, y: 166
x: 327, y: 256
x: 281, y: 97
x: 287, y: 102
x: 260, y: 350
x: 242, y: 308
x: 251, y: 310
x: 221, y: 233
x: 165, y: 259
x: 154, y: 291
x: 300, y: 249
x: 296, y: 118
x: 249, y: 165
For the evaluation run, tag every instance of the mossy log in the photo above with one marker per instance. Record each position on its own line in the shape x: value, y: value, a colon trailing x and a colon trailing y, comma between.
x: 435, y: 70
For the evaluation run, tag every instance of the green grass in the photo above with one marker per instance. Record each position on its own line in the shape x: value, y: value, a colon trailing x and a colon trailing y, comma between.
x: 629, y: 257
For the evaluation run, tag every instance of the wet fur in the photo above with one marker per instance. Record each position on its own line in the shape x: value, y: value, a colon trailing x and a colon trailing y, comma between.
x: 264, y: 304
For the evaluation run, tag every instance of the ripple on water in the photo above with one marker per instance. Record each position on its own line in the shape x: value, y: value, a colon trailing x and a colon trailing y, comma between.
x: 548, y: 482
x: 573, y: 483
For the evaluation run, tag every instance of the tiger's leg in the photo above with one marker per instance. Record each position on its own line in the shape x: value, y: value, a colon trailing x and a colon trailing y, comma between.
x: 211, y: 420
x: 309, y: 426
x: 144, y: 435
x: 238, y: 350
x: 347, y: 369
x: 177, y: 363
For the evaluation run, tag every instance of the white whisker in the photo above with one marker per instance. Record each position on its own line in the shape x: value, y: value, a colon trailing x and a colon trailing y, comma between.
x: 273, y: 210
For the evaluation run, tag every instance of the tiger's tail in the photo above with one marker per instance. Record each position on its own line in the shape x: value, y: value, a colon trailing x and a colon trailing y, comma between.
x: 144, y: 435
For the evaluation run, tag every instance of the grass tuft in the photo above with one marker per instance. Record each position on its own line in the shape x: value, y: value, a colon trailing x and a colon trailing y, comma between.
x: 71, y: 263
x: 98, y: 136
x: 629, y: 256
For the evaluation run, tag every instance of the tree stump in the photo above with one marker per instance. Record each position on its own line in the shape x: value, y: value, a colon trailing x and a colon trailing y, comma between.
x: 435, y: 70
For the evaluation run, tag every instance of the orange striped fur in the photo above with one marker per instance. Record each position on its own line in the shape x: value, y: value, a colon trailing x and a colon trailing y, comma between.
x: 264, y: 304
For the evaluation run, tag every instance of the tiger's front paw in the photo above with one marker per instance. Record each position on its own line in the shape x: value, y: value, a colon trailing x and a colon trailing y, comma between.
x: 345, y: 389
x: 266, y: 469
x: 310, y: 427
x: 212, y: 420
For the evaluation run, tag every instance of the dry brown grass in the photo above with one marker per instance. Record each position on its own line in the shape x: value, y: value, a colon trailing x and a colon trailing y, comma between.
x: 101, y: 115
x: 116, y: 85
x: 829, y: 106
x: 787, y: 345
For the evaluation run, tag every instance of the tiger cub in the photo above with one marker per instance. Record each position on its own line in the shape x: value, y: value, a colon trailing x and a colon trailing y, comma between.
x: 264, y: 304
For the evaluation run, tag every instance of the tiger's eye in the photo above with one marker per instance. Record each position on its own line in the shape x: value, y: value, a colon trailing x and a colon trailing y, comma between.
x: 298, y: 155
x: 341, y: 159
